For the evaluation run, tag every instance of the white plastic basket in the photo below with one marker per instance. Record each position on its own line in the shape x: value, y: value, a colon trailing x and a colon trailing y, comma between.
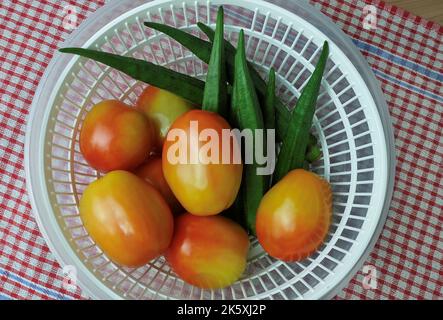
x: 351, y: 123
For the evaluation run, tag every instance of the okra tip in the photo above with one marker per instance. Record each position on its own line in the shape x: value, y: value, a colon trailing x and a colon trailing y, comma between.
x: 78, y: 51
x: 220, y: 18
x: 65, y: 50
x: 326, y: 47
x: 241, y: 39
x: 271, y: 74
x: 201, y: 25
x: 148, y: 23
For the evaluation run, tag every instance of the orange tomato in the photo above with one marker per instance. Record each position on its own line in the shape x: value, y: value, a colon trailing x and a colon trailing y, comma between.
x: 203, y: 187
x: 294, y: 216
x: 115, y: 137
x: 127, y: 218
x: 162, y: 108
x: 152, y: 172
x: 208, y: 252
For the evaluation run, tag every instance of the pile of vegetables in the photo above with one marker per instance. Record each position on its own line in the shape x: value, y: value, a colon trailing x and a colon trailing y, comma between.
x: 200, y: 215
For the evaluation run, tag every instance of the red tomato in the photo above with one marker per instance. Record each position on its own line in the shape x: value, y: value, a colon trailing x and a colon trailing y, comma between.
x: 203, y: 187
x: 127, y: 218
x: 294, y: 216
x: 152, y: 172
x: 162, y: 108
x: 208, y: 252
x: 115, y: 137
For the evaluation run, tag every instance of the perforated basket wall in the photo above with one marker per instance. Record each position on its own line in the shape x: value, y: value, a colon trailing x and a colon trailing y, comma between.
x: 346, y: 122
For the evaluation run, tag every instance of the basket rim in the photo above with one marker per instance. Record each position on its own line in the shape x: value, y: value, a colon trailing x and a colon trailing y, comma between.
x: 37, y: 187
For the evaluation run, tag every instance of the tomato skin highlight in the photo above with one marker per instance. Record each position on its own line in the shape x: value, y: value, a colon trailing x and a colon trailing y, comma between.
x: 208, y: 252
x: 162, y: 108
x: 203, y: 188
x: 127, y: 218
x: 152, y: 172
x: 115, y: 137
x: 294, y: 216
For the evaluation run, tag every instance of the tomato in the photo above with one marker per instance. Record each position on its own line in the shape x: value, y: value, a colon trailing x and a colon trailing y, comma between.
x: 203, y: 186
x: 127, y: 218
x: 294, y: 216
x: 115, y: 137
x: 162, y: 108
x: 208, y: 252
x: 152, y: 172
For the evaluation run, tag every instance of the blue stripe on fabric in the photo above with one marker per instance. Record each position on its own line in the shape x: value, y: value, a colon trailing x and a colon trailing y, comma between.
x: 408, y: 86
x: 31, y: 285
x: 398, y: 60
x: 2, y: 297
x: 365, y: 46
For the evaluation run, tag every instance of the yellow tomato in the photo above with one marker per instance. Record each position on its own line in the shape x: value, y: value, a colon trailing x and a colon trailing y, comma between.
x: 208, y: 252
x: 127, y: 218
x: 152, y: 172
x: 162, y: 108
x: 203, y: 186
x: 294, y: 216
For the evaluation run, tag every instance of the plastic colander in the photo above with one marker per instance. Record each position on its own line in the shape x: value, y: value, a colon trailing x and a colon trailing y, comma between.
x: 351, y: 122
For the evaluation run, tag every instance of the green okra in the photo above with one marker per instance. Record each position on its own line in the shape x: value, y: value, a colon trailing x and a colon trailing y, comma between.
x: 215, y: 95
x: 247, y: 114
x: 180, y: 84
x: 293, y: 149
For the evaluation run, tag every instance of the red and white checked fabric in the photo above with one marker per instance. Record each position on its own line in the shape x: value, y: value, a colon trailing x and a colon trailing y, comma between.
x: 404, y: 51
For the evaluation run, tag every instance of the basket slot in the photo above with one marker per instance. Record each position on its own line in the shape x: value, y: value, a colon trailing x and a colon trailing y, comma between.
x: 364, y: 188
x: 258, y: 285
x: 343, y: 177
x: 68, y: 113
x: 329, y: 263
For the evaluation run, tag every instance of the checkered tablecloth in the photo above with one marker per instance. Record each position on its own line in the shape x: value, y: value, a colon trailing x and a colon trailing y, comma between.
x: 404, y: 51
